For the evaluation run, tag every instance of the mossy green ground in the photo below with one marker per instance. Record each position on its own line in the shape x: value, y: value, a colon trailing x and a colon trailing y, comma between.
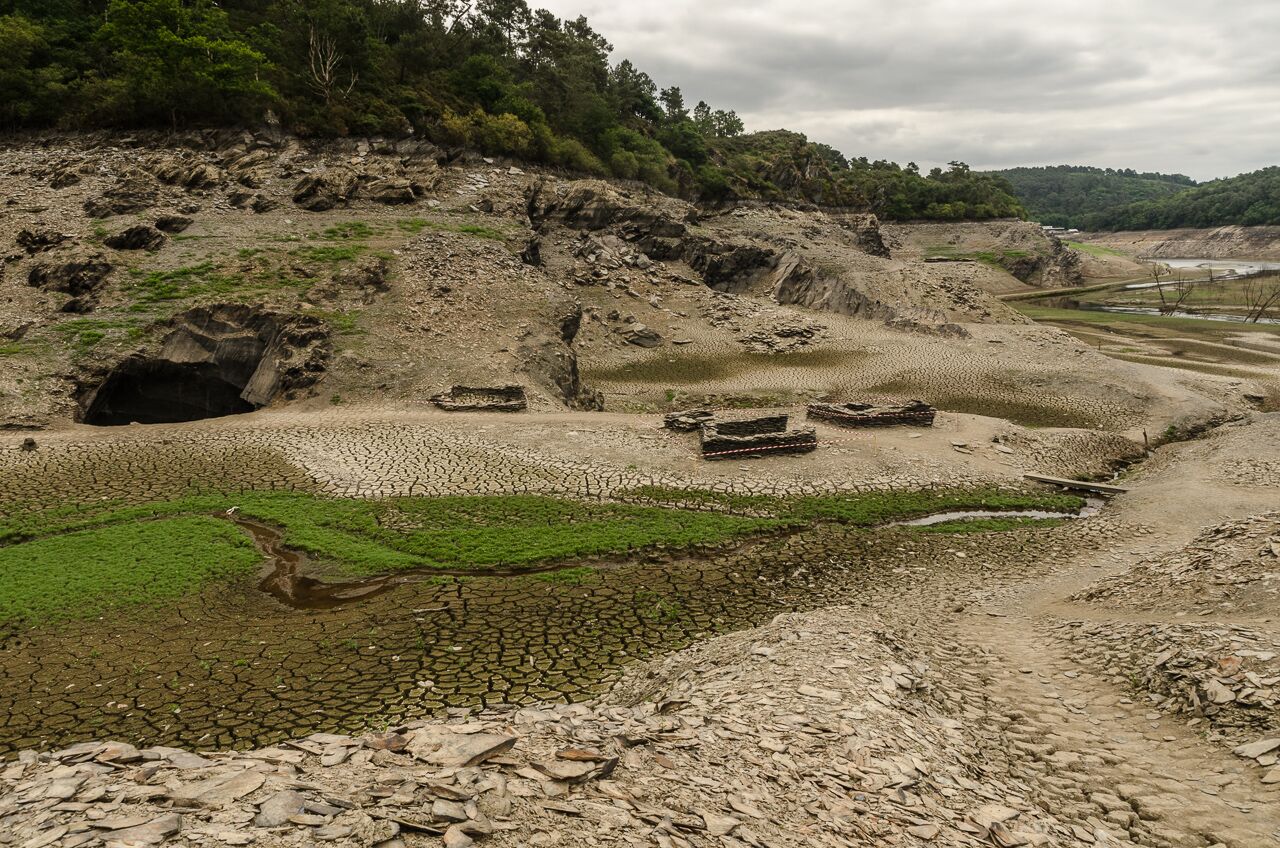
x: 80, y: 561
x: 91, y: 572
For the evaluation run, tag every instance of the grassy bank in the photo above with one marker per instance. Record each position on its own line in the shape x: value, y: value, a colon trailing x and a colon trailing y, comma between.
x: 81, y: 562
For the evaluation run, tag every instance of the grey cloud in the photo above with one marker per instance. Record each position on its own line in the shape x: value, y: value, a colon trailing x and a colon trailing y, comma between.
x: 1176, y: 85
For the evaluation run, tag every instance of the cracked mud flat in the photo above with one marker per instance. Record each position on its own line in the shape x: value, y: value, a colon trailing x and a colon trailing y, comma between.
x: 236, y: 665
x: 916, y: 690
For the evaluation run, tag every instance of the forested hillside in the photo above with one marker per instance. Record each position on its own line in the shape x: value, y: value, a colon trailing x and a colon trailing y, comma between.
x: 494, y: 76
x: 1247, y: 200
x: 1065, y: 195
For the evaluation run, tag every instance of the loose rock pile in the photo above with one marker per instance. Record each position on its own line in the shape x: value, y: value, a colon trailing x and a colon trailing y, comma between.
x: 743, y: 741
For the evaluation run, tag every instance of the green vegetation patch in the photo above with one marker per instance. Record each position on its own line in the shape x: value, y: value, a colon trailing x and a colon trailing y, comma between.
x: 83, y: 334
x: 75, y: 562
x: 152, y: 288
x: 1094, y: 249
x: 95, y: 572
x: 349, y: 230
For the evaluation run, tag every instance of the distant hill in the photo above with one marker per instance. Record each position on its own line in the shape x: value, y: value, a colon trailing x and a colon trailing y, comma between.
x: 1070, y: 195
x: 1248, y: 200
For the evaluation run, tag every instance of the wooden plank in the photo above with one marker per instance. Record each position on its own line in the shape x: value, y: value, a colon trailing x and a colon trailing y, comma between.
x: 1082, y: 485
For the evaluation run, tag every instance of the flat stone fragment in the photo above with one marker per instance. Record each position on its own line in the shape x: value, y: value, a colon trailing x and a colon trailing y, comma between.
x: 566, y: 770
x: 719, y: 825
x: 218, y: 791
x: 1253, y: 750
x: 154, y: 832
x: 991, y: 814
x: 441, y: 746
x: 443, y: 810
x: 455, y: 838
x: 276, y: 810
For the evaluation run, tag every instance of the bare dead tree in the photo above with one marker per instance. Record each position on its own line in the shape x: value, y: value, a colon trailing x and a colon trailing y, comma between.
x: 324, y: 60
x: 1261, y: 296
x: 1183, y: 289
x: 1159, y: 271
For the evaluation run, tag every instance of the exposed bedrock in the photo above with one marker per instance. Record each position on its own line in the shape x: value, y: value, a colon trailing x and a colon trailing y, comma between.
x: 554, y: 362
x: 796, y: 282
x: 595, y: 205
x: 217, y: 360
x: 1056, y: 269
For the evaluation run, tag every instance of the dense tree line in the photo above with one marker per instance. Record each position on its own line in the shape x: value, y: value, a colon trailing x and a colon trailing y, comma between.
x: 1066, y: 195
x: 492, y: 75
x: 1248, y: 200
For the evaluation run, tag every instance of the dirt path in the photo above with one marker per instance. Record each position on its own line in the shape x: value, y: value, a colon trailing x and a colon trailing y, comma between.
x: 1100, y: 758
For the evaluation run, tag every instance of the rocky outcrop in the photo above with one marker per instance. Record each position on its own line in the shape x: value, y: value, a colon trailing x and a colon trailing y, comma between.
x: 39, y: 241
x: 595, y: 205
x: 173, y: 223
x: 140, y: 237
x: 216, y: 360
x: 556, y: 361
x: 1059, y: 268
x: 187, y: 174
x: 866, y: 232
x: 796, y: 282
x: 136, y: 191
x: 81, y: 276
x: 251, y: 169
x: 391, y: 191
x: 324, y: 190
x: 725, y: 266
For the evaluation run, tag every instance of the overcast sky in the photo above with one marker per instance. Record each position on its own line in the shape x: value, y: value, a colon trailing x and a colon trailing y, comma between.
x: 1186, y: 86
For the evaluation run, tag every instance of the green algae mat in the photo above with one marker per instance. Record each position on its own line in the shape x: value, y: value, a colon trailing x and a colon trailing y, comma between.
x: 79, y: 562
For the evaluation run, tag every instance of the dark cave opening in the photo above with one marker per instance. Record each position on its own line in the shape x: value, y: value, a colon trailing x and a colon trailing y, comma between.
x: 158, y: 391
